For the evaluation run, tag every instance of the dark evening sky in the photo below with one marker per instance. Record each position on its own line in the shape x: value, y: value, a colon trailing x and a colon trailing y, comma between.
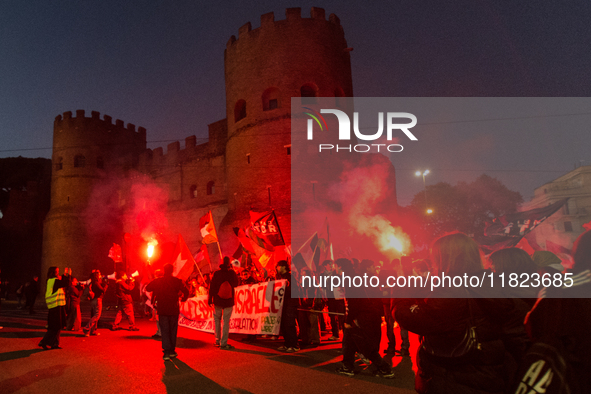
x: 160, y: 65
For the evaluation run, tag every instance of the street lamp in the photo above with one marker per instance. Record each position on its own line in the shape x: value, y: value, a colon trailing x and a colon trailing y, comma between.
x: 423, y: 174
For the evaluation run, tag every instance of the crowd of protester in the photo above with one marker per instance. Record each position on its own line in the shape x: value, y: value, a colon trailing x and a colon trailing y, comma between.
x: 536, y: 340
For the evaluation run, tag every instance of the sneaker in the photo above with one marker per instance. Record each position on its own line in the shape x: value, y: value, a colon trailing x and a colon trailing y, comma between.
x: 133, y: 329
x: 385, y: 373
x: 94, y: 334
x: 363, y: 359
x: 345, y: 371
x: 86, y: 334
x: 227, y: 347
x: 216, y: 344
x: 114, y: 328
x: 166, y: 357
x: 173, y: 355
x: 282, y: 348
x: 333, y: 338
x: 156, y: 336
x: 292, y: 350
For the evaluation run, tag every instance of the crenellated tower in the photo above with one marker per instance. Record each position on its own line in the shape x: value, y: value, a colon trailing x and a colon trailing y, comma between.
x: 264, y: 68
x: 88, y: 154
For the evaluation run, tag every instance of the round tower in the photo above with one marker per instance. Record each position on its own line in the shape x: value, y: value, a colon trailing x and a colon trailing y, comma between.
x: 264, y: 69
x: 89, y: 157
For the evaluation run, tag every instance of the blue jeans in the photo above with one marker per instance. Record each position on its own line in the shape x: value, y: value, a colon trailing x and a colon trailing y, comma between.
x: 169, y: 326
x: 95, y: 314
x: 225, y: 330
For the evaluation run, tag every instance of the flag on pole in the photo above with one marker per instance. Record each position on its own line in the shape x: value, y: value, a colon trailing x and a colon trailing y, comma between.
x: 265, y: 228
x: 207, y: 228
x: 507, y: 231
x: 317, y: 248
x: 115, y: 253
x: 183, y: 263
x: 202, y: 260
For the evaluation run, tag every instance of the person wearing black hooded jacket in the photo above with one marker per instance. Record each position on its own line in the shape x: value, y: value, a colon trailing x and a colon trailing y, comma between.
x: 447, y: 360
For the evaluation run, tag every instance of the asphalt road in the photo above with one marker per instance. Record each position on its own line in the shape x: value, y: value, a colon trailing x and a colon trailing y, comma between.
x: 131, y: 362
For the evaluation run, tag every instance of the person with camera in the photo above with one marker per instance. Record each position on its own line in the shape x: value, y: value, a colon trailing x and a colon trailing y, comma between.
x: 55, y: 297
x: 123, y: 289
x: 98, y: 287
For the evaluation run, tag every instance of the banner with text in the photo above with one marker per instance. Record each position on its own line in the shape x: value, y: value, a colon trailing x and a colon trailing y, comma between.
x: 257, y: 310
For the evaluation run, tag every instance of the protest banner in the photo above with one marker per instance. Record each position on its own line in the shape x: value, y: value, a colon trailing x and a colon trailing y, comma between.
x: 257, y: 310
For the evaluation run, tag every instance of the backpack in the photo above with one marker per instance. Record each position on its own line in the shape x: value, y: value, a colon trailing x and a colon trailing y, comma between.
x: 87, y: 294
x: 225, y: 291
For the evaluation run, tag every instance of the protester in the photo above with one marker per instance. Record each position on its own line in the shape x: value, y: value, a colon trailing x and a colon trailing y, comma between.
x: 97, y: 287
x: 560, y: 327
x: 392, y: 269
x: 517, y: 261
x: 31, y: 292
x: 462, y: 347
x: 246, y: 278
x: 166, y: 292
x: 313, y: 302
x: 335, y: 300
x: 221, y: 296
x: 192, y: 286
x: 55, y: 298
x: 20, y: 295
x: 123, y: 288
x: 74, y: 321
x: 289, y: 311
x: 362, y: 327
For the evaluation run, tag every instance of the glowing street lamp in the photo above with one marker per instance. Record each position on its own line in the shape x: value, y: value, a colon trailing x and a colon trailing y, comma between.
x: 423, y: 174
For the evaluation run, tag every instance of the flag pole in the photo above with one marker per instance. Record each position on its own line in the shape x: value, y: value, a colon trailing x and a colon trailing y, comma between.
x: 220, y: 250
x: 197, y: 265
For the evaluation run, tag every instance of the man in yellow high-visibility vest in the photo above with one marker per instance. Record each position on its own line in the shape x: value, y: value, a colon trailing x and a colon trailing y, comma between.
x: 55, y: 298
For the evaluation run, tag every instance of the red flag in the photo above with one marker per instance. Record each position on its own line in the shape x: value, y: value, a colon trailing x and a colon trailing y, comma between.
x: 266, y: 228
x: 207, y: 229
x: 183, y: 263
x: 115, y: 253
x: 202, y: 259
x: 556, y: 248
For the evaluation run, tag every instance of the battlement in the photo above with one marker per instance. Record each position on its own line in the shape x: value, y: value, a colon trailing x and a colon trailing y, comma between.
x: 68, y: 121
x: 194, y: 148
x: 292, y: 16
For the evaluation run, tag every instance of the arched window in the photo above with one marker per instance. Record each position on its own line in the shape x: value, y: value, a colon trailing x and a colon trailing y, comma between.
x: 79, y: 161
x: 309, y: 92
x: 59, y: 163
x: 210, y: 188
x: 100, y: 163
x: 270, y: 99
x: 240, y: 110
x: 193, y: 191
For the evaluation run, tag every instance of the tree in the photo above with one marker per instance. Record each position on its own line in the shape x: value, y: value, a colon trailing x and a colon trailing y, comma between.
x: 465, y: 207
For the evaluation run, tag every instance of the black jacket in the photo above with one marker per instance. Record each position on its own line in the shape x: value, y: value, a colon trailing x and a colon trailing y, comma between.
x: 443, y: 321
x: 166, y: 294
x: 565, y: 324
x: 220, y: 277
